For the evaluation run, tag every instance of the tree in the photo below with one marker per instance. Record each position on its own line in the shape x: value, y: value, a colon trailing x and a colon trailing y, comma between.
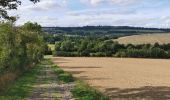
x: 33, y: 40
x: 10, y: 5
x: 20, y: 47
x: 67, y: 46
x: 83, y: 45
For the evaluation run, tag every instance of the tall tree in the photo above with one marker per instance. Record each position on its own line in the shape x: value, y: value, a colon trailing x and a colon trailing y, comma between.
x: 10, y: 5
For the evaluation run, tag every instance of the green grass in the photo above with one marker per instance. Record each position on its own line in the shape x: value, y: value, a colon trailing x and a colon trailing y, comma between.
x: 59, y: 71
x: 66, y: 77
x: 62, y: 75
x: 47, y: 61
x: 10, y: 98
x: 21, y: 88
x: 83, y: 91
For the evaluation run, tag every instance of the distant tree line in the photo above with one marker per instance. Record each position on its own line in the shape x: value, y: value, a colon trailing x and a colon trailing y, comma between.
x: 52, y: 38
x: 103, y: 30
x: 102, y: 47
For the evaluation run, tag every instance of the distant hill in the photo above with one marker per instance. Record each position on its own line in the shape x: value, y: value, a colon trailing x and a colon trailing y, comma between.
x: 103, y: 30
x: 145, y: 39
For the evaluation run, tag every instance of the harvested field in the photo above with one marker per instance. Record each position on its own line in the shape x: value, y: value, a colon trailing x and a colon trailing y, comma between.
x: 122, y: 78
x: 145, y: 39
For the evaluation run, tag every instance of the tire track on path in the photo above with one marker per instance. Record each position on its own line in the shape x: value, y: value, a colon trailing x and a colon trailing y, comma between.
x: 47, y: 87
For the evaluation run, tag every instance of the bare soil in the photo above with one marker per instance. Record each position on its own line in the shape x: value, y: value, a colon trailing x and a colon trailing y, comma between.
x: 122, y: 78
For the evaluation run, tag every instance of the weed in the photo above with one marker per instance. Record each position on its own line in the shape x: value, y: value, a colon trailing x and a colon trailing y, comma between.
x: 22, y: 86
x: 59, y: 71
x: 66, y: 77
x: 83, y: 91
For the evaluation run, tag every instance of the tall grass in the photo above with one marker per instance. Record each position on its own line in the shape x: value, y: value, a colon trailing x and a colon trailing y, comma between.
x: 83, y: 91
x: 62, y: 75
x: 20, y: 88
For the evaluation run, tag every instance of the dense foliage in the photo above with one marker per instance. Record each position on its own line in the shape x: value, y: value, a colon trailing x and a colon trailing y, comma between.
x: 102, y: 47
x: 21, y: 47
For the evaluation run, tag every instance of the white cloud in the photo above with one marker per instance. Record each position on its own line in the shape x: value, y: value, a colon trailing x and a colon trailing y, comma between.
x: 60, y: 13
x: 123, y: 1
x: 44, y: 5
x: 97, y: 12
x: 114, y: 2
x: 43, y: 20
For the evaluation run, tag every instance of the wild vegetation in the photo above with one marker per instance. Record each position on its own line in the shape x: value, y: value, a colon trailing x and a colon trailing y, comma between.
x: 83, y: 91
x: 63, y: 76
x: 20, y: 89
x: 103, y: 47
x: 21, y: 48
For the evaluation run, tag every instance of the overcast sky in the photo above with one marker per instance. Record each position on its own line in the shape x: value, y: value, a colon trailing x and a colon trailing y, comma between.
x: 144, y: 13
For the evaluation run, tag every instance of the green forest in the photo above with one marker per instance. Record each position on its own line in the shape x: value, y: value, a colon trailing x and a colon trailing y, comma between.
x: 70, y: 46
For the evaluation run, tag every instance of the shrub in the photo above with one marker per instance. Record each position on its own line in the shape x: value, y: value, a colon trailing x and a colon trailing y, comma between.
x: 120, y: 54
x: 83, y: 92
x: 20, y: 49
x: 66, y: 77
x: 46, y: 62
x: 59, y: 71
x: 98, y: 54
x: 54, y: 66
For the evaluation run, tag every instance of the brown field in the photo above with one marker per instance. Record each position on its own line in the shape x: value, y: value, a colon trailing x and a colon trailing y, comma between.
x: 122, y: 78
x: 144, y: 39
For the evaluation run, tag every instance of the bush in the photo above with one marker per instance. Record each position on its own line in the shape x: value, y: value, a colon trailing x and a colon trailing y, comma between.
x: 21, y: 47
x: 84, y: 92
x: 98, y: 54
x: 120, y: 54
x: 66, y: 77
x: 54, y: 66
x: 63, y: 76
x: 65, y: 54
x: 58, y: 71
x: 48, y: 50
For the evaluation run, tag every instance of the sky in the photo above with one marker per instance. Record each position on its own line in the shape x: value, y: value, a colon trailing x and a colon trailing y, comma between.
x: 72, y: 13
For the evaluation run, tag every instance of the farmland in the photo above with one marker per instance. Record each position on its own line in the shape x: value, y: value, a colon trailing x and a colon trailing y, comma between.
x: 122, y: 78
x: 84, y: 50
x: 145, y: 39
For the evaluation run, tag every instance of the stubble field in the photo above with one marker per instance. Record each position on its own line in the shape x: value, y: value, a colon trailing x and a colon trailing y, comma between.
x: 122, y: 78
x: 145, y: 39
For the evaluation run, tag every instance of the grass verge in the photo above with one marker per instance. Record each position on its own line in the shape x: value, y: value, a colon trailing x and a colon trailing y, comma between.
x: 62, y: 75
x: 21, y: 88
x: 81, y: 91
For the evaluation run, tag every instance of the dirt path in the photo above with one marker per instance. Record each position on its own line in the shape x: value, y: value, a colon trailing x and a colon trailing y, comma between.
x: 47, y: 87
